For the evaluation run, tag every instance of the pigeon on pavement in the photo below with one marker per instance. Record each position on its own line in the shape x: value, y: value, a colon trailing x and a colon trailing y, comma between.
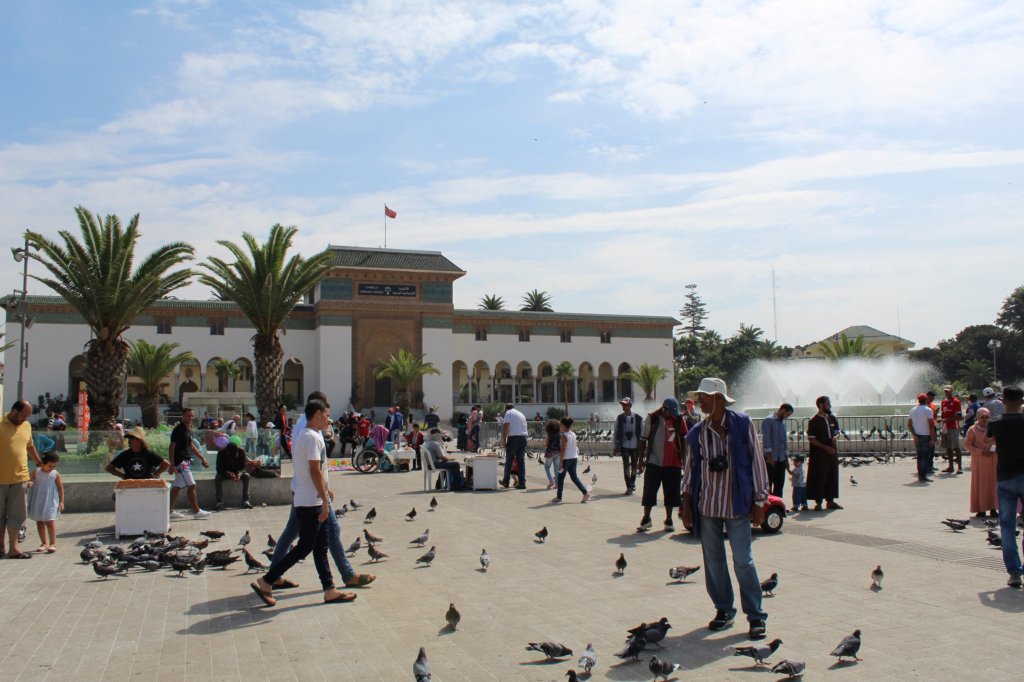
x: 653, y: 632
x: 375, y: 554
x: 212, y: 534
x: 342, y: 511
x: 661, y: 668
x: 620, y: 564
x: 588, y: 659
x: 956, y: 526
x: 542, y: 534
x: 352, y: 503
x: 252, y: 562
x: 853, y: 481
x: 767, y: 586
x: 271, y: 542
x: 485, y: 560
x: 421, y: 667
x: 849, y: 647
x: 876, y: 577
x: 789, y: 668
x: 244, y: 540
x: 428, y: 557
x: 681, y: 573
x: 371, y: 538
x: 965, y: 522
x: 453, y: 616
x: 421, y: 540
x: 355, y: 547
x: 759, y: 653
x: 411, y: 516
x: 587, y: 470
x: 552, y: 650
x: 370, y: 515
x: 95, y: 544
x: 105, y: 570
x: 635, y: 644
x: 571, y: 674
x: 433, y: 503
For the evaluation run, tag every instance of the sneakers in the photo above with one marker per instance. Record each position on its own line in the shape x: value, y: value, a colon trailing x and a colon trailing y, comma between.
x: 201, y: 514
x: 219, y: 507
x: 645, y: 525
x: 246, y: 504
x: 177, y: 516
x: 669, y: 527
x: 757, y: 629
x: 1014, y: 581
x: 722, y: 619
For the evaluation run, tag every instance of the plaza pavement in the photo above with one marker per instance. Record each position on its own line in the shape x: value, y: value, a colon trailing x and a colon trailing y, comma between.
x: 944, y: 613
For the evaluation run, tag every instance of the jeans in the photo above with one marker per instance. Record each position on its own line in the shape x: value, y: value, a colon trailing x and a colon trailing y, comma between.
x: 218, y: 485
x: 250, y: 445
x: 551, y: 467
x: 924, y: 455
x: 312, y: 539
x: 1010, y: 492
x: 569, y: 468
x: 716, y: 572
x: 335, y: 544
x: 799, y: 496
x: 515, y: 451
x: 776, y: 476
x: 630, y: 456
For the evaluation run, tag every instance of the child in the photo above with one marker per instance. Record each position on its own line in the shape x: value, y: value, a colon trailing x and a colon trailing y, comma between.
x: 552, y: 448
x: 46, y: 501
x: 569, y: 455
x: 799, y: 482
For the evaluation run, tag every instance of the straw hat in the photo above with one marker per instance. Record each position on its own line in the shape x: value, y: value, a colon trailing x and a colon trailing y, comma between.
x: 137, y: 433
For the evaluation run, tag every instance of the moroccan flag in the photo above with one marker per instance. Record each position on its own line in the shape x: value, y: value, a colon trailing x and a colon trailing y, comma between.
x: 389, y: 213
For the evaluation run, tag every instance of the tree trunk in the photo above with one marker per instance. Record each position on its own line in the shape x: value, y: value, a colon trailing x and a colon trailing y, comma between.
x: 105, y: 371
x: 269, y: 356
x: 149, y: 402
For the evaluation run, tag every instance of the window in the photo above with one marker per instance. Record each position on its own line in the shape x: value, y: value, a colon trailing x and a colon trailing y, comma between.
x: 163, y: 326
x: 524, y: 335
x: 566, y: 337
x: 481, y: 334
x: 216, y: 327
x: 606, y: 337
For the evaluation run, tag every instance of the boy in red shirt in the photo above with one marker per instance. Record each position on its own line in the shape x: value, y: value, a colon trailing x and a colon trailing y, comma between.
x: 951, y: 415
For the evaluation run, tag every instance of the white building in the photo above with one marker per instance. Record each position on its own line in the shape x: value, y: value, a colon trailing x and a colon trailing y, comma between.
x: 372, y: 303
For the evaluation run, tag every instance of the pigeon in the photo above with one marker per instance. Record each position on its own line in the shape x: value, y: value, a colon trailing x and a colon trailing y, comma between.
x: 587, y: 470
x: 95, y: 544
x: 849, y: 647
x: 212, y: 534
x: 485, y: 560
x: 355, y: 547
x: 593, y: 480
x: 271, y: 542
x: 200, y: 544
x: 428, y: 557
x: 244, y: 540
x: 853, y: 481
x: 269, y: 553
x: 181, y: 564
x: 452, y: 616
x: 681, y: 573
x: 433, y: 503
x: 552, y: 650
x: 371, y: 538
x: 421, y: 667
x: 654, y: 632
x: 150, y: 565
x: 352, y: 503
x: 994, y: 540
x: 965, y: 522
x: 89, y: 555
x: 421, y: 540
x: 370, y: 515
x: 759, y: 653
x: 342, y: 511
x: 375, y: 554
x: 790, y: 668
x: 571, y: 674
x: 221, y: 561
x: 252, y: 562
x: 635, y: 644
x: 199, y: 566
x: 876, y: 577
x: 107, y: 570
x: 620, y: 564
x: 542, y: 534
x: 588, y: 659
x: 992, y: 525
x: 411, y: 516
x: 768, y: 586
x: 661, y: 668
x: 956, y: 526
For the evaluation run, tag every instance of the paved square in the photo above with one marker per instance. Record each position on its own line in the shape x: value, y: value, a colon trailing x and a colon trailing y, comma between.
x: 944, y: 612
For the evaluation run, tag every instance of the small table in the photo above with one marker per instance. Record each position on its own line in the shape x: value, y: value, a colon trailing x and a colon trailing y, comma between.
x: 483, y: 471
x: 403, y: 456
x: 140, y: 509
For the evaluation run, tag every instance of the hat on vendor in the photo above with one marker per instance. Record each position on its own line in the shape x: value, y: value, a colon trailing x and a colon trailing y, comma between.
x: 137, y: 433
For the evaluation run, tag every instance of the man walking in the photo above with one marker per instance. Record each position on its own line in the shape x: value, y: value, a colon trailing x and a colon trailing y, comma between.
x: 823, y: 464
x: 921, y: 424
x: 660, y: 460
x: 725, y: 490
x: 15, y: 448
x: 776, y: 447
x: 1008, y: 433
x: 627, y: 441
x: 992, y: 403
x: 949, y: 409
x: 182, y: 448
x: 513, y: 435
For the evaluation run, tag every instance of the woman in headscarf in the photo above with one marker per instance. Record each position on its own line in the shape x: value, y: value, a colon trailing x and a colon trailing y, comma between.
x: 983, y: 466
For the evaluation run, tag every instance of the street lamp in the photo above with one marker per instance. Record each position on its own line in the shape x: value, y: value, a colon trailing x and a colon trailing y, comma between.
x: 22, y: 254
x: 994, y: 344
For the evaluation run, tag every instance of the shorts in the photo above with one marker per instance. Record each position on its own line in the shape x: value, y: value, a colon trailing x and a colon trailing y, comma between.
x: 666, y: 478
x: 12, y: 505
x: 183, y: 476
x: 951, y: 439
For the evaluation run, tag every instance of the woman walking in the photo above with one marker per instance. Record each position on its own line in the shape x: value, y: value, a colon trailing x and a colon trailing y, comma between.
x: 569, y: 454
x: 552, y: 450
x: 983, y: 466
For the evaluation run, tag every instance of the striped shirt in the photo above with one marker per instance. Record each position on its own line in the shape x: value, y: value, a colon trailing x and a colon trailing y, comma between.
x: 716, y: 487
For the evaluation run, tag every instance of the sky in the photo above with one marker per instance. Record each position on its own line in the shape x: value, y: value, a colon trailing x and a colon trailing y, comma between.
x: 609, y: 153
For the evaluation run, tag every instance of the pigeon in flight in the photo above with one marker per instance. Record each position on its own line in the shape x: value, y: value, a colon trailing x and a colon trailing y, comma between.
x: 588, y: 659
x: 552, y: 650
x: 421, y: 667
x: 375, y: 554
x: 411, y: 516
x: 661, y: 668
x: 759, y: 653
x: 789, y: 668
x: 370, y: 515
x: 681, y: 573
x: 428, y: 557
x: 542, y: 534
x: 244, y: 540
x: 876, y: 577
x: 768, y: 586
x: 433, y: 503
x: 485, y: 560
x: 355, y: 547
x: 849, y: 647
x: 453, y: 616
x: 620, y: 564
x: 421, y: 540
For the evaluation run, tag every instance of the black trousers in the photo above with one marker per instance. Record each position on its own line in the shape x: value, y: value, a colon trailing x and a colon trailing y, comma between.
x: 629, y: 461
x: 218, y: 484
x: 776, y: 476
x: 312, y: 539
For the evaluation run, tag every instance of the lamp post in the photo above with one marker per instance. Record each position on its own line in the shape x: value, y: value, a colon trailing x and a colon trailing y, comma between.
x: 994, y: 344
x: 22, y: 254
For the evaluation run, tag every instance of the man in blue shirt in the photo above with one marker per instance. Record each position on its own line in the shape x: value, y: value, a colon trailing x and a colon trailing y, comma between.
x: 776, y: 447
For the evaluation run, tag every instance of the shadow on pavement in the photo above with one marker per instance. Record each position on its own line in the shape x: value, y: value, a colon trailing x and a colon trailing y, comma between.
x: 1006, y: 599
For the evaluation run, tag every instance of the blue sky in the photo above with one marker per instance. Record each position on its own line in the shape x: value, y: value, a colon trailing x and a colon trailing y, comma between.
x: 608, y: 153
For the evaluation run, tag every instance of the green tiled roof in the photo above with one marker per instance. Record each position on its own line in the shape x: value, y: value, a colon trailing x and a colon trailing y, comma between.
x: 392, y: 259
x: 522, y: 316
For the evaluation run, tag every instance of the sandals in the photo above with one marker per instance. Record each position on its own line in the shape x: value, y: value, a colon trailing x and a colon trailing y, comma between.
x: 285, y: 584
x: 265, y: 596
x: 341, y: 597
x: 360, y: 580
x: 20, y: 555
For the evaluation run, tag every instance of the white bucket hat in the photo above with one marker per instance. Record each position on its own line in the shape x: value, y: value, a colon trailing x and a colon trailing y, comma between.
x: 710, y: 386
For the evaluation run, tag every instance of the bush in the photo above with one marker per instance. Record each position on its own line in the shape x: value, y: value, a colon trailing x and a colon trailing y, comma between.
x: 492, y: 410
x: 555, y: 412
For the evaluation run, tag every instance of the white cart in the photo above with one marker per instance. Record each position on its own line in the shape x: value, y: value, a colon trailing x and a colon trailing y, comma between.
x: 137, y: 510
x: 484, y: 471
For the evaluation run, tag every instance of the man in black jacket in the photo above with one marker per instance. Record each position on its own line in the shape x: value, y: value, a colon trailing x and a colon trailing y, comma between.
x: 627, y: 440
x: 232, y: 466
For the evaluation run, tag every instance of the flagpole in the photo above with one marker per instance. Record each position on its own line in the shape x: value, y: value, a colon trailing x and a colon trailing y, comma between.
x: 385, y: 226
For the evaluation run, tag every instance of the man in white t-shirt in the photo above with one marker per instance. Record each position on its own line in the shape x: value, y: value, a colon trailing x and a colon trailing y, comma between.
x: 312, y: 508
x: 921, y: 423
x: 513, y: 436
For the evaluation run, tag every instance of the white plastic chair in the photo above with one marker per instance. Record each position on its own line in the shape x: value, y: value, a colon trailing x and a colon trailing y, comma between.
x: 429, y: 470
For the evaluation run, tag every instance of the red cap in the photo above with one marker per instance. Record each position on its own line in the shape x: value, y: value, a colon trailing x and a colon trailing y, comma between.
x: 922, y: 398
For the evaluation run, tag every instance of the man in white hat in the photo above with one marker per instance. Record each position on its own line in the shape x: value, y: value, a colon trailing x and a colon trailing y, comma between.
x: 627, y: 439
x: 725, y: 489
x: 992, y: 403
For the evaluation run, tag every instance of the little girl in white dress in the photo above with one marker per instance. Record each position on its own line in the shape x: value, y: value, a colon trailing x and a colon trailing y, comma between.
x: 46, y: 501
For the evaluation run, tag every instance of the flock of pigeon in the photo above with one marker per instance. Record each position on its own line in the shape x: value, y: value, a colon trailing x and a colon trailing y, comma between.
x: 992, y: 534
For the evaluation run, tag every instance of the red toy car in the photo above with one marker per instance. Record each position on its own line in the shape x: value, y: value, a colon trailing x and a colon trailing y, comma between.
x: 774, y: 517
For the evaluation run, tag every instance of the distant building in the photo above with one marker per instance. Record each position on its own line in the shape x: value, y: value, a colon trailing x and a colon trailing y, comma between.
x: 885, y: 344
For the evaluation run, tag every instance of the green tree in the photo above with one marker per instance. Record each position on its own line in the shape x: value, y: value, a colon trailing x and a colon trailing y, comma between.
x: 491, y: 302
x: 536, y: 302
x: 750, y: 333
x: 564, y: 372
x: 266, y: 284
x: 225, y: 369
x: 694, y: 312
x: 647, y: 377
x: 1011, y: 315
x: 5, y: 346
x: 404, y: 369
x: 976, y: 374
x: 98, y: 276
x: 972, y: 343
x: 843, y: 347
x: 150, y: 364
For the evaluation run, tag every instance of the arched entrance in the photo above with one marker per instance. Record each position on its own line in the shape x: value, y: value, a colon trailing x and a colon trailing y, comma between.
x: 605, y: 383
x: 188, y: 378
x: 291, y: 382
x: 243, y: 382
x: 625, y: 385
x: 586, y: 383
x: 76, y: 377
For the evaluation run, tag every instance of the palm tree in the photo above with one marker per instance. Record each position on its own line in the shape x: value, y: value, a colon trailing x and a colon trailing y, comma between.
x: 404, y: 370
x: 5, y: 346
x: 750, y: 333
x: 266, y: 287
x: 97, y: 276
x: 151, y: 364
x: 837, y: 349
x: 769, y: 350
x: 536, y: 302
x: 647, y: 377
x: 225, y: 369
x: 564, y: 372
x: 490, y: 302
x: 975, y: 373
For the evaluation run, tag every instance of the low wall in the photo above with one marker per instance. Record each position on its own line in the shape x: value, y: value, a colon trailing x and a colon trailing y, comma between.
x: 98, y: 496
